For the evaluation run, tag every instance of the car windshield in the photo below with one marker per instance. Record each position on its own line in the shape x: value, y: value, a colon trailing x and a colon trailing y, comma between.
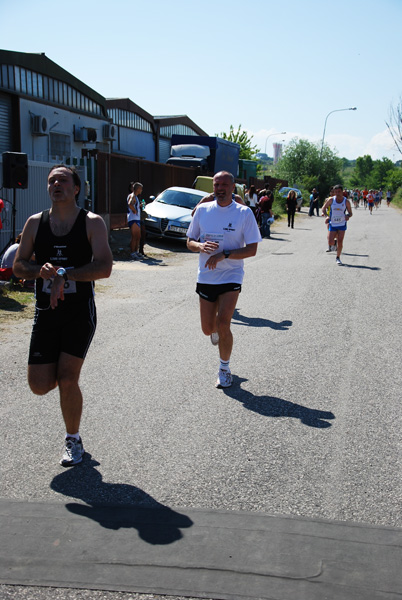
x: 178, y: 198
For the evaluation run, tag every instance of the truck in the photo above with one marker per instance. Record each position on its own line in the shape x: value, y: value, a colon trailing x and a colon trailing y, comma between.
x: 210, y: 154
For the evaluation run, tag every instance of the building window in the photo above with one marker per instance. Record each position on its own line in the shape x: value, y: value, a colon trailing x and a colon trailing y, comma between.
x: 168, y: 131
x: 29, y: 82
x: 23, y: 81
x: 40, y: 86
x: 126, y: 118
x: 10, y: 77
x: 60, y: 144
x: 55, y: 91
x: 34, y: 84
x: 4, y: 76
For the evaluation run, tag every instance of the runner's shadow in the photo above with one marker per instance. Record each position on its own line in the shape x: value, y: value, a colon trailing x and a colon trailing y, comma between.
x: 270, y: 406
x: 360, y: 255
x: 117, y: 505
x: 361, y: 267
x: 259, y: 322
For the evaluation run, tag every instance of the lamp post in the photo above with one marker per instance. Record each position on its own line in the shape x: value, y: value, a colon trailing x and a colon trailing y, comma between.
x: 270, y: 135
x: 325, y: 125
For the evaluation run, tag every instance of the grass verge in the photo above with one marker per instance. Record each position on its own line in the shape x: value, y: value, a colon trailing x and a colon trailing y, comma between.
x: 16, y: 303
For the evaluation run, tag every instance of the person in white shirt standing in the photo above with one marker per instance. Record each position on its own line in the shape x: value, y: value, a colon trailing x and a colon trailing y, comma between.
x: 134, y: 218
x: 224, y: 232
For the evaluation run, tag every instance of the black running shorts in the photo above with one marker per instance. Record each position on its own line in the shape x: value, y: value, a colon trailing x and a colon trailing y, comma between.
x: 68, y: 328
x: 211, y: 292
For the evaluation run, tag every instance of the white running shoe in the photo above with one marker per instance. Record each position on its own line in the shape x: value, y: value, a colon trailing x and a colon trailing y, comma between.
x: 215, y: 338
x: 73, y: 452
x: 224, y: 380
x: 338, y: 261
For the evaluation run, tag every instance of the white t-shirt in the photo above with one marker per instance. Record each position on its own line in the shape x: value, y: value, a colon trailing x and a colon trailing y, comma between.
x: 253, y: 199
x: 132, y: 216
x: 233, y: 226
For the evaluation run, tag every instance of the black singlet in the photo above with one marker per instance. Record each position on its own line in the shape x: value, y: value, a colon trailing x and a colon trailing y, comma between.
x: 71, y: 250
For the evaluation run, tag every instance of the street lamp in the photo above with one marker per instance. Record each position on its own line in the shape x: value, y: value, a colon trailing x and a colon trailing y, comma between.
x: 270, y: 135
x: 325, y: 124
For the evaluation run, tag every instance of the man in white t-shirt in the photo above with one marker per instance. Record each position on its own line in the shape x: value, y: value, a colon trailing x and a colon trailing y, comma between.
x: 224, y: 232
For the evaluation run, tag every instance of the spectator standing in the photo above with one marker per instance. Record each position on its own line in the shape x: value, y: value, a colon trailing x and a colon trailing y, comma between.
x: 291, y: 205
x: 314, y: 201
x: 134, y: 218
x: 252, y: 198
x: 265, y: 208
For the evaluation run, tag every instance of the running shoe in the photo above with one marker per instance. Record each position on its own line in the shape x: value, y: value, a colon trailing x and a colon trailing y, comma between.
x: 338, y: 261
x: 215, y: 338
x: 224, y: 380
x: 135, y: 256
x: 329, y: 249
x: 73, y: 452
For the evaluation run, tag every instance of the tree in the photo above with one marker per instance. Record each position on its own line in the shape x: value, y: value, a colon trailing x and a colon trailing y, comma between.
x: 302, y: 167
x: 247, y: 150
x: 373, y: 174
x: 363, y: 169
x: 395, y: 124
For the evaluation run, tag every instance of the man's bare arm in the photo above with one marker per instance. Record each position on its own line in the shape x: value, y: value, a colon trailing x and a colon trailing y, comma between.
x: 22, y: 268
x: 102, y: 262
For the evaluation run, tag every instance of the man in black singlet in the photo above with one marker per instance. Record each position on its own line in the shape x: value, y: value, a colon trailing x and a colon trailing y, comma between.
x: 71, y: 251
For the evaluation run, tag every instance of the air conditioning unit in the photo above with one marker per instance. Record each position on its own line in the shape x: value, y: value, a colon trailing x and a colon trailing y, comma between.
x: 39, y: 125
x: 80, y: 134
x: 109, y: 132
x: 92, y: 134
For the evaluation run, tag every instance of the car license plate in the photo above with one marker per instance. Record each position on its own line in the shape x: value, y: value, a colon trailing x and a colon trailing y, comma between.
x: 177, y: 229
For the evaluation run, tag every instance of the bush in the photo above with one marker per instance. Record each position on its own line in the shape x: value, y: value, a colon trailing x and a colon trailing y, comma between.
x: 397, y: 199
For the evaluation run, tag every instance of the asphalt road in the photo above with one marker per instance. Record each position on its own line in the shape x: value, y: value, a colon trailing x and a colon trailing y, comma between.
x: 311, y: 427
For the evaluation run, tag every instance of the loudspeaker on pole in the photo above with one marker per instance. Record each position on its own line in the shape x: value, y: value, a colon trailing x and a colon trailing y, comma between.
x: 15, y: 170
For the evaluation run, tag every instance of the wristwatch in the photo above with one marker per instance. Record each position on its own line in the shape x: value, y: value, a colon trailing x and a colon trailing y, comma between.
x: 226, y: 253
x: 62, y: 273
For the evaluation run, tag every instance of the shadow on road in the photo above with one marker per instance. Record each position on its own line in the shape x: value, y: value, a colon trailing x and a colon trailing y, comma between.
x: 361, y: 267
x: 270, y: 406
x: 117, y: 505
x: 239, y: 319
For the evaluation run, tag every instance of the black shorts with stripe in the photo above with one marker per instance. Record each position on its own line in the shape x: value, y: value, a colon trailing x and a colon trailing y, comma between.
x: 68, y: 328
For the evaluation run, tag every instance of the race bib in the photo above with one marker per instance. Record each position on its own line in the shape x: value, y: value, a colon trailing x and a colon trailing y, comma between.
x: 215, y: 237
x: 69, y: 286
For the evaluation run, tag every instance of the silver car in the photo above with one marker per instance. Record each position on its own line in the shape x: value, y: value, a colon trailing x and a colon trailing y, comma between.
x: 169, y: 215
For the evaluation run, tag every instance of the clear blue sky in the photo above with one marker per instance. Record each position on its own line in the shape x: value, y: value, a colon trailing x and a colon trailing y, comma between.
x: 269, y: 66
